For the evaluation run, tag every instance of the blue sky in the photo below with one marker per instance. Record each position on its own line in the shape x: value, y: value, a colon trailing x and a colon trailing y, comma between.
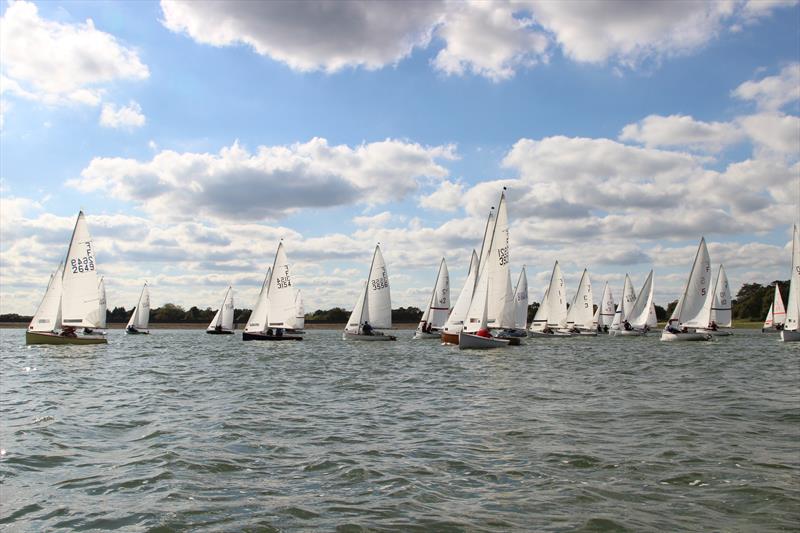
x: 195, y: 135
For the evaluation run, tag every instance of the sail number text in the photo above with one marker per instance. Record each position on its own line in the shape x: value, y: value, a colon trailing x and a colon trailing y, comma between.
x: 380, y: 283
x: 83, y: 264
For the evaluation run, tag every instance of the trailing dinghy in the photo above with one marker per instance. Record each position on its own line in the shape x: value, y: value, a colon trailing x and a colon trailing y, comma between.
x: 720, y: 316
x: 776, y: 316
x: 579, y: 317
x: 222, y: 324
x: 140, y: 318
x: 551, y: 317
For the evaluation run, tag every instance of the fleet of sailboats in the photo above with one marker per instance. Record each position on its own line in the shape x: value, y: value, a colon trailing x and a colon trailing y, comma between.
x: 489, y: 312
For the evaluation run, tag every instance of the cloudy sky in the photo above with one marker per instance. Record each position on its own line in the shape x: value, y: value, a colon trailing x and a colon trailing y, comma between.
x: 195, y: 135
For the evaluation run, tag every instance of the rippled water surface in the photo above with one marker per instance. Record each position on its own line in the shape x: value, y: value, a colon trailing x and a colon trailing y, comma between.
x: 181, y: 430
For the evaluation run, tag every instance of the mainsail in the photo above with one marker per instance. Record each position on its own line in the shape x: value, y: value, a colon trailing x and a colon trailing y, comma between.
x: 80, y: 302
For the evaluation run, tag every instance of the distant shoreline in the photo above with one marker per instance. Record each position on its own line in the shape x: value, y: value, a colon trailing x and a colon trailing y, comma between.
x: 239, y: 327
x: 737, y: 324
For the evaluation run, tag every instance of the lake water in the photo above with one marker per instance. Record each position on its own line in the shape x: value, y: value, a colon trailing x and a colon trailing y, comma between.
x: 181, y: 430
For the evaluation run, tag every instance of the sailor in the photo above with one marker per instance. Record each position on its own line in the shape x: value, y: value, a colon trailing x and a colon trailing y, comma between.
x: 366, y: 328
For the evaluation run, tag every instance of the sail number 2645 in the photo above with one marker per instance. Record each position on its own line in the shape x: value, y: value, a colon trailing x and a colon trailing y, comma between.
x: 83, y: 264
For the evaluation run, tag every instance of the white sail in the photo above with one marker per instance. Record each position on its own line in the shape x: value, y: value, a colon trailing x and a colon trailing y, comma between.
x: 778, y: 309
x: 539, y: 321
x: 697, y: 297
x: 140, y: 318
x: 793, y: 303
x: 556, y: 299
x: 379, y: 296
x: 280, y: 292
x: 628, y: 298
x: 507, y: 319
x: 356, y: 319
x: 80, y: 304
x: 257, y: 323
x: 606, y: 309
x: 676, y: 313
x: 101, y: 311
x: 652, y: 318
x: 581, y: 309
x: 435, y: 314
x: 616, y: 323
x: 721, y: 310
x: 375, y: 302
x: 299, y: 312
x: 521, y: 301
x: 501, y: 295
x: 224, y: 316
x: 641, y: 308
x: 768, y: 322
x: 48, y: 314
x: 459, y: 313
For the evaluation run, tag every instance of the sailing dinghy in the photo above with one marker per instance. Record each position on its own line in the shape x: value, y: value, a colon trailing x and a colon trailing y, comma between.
x: 140, y: 318
x: 580, y: 317
x: 373, y: 308
x: 435, y: 315
x: 604, y: 315
x: 551, y: 317
x: 636, y: 319
x: 776, y: 316
x: 72, y: 299
x: 479, y: 338
x: 455, y: 321
x: 275, y: 311
x: 791, y: 331
x: 222, y: 324
x: 719, y: 319
x: 694, y: 305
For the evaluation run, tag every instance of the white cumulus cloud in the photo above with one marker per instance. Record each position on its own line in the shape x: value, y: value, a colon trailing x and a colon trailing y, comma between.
x: 682, y: 131
x: 125, y: 117
x: 772, y: 92
x: 58, y: 62
x: 270, y: 183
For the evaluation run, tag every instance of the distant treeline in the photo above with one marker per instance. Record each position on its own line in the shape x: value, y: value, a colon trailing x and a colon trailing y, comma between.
x: 752, y: 303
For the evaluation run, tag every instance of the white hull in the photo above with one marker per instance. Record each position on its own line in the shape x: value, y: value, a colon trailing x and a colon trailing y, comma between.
x: 468, y: 341
x: 376, y: 336
x: 421, y: 335
x: 583, y: 333
x: 715, y: 333
x: 549, y: 335
x: 790, y: 335
x: 678, y: 337
x: 627, y: 332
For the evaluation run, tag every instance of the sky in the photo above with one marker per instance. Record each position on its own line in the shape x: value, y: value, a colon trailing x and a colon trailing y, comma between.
x: 196, y: 135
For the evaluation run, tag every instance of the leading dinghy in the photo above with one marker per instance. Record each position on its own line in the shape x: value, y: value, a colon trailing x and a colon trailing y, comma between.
x: 275, y: 311
x: 373, y: 309
x: 76, y: 292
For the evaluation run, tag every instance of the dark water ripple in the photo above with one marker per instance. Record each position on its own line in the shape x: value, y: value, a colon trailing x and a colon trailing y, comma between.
x: 186, y: 431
